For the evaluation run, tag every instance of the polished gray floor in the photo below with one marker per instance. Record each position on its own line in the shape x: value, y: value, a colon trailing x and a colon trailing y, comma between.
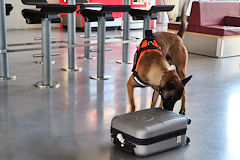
x: 73, y: 121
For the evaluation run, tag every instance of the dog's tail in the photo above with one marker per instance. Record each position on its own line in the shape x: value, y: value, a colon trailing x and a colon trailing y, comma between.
x: 183, y: 22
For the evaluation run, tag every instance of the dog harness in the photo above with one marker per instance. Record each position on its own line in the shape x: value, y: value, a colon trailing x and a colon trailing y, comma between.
x: 148, y: 44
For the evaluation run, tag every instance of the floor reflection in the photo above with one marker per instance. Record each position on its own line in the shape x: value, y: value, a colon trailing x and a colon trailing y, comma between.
x: 120, y: 94
x: 176, y: 153
x: 233, y: 127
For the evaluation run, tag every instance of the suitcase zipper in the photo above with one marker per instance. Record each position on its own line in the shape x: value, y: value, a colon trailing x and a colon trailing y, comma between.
x: 147, y: 141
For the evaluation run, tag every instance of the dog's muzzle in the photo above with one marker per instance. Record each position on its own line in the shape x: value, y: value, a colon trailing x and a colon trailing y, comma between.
x: 168, y: 103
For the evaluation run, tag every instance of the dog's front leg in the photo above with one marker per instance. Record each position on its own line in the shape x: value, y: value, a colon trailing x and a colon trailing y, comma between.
x: 161, y: 104
x: 130, y: 85
x: 183, y: 107
x: 182, y: 75
x: 154, y: 98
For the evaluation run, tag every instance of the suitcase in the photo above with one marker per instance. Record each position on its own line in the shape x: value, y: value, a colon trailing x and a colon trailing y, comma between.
x: 149, y: 131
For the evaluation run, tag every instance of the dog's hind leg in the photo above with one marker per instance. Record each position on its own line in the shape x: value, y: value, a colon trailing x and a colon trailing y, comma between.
x: 154, y: 98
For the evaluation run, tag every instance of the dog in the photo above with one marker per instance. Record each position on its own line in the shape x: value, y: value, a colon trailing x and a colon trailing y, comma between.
x: 164, y: 70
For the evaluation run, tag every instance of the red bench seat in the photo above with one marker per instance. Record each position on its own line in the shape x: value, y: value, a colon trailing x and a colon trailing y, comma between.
x: 218, y: 30
x: 214, y: 18
x: 213, y: 29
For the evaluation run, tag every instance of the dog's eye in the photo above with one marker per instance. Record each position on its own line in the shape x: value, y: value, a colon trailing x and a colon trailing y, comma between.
x: 170, y: 98
x: 171, y: 86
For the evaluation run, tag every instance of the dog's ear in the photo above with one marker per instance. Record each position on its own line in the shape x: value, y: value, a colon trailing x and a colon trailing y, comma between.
x: 185, y: 80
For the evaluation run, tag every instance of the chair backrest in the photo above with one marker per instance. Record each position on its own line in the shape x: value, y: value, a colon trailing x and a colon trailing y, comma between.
x: 212, y: 13
x: 34, y: 2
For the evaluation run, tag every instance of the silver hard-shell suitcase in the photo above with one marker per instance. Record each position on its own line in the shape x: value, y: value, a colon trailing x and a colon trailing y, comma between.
x: 149, y: 131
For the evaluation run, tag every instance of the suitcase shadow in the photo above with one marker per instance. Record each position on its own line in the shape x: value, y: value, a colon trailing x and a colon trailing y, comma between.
x: 176, y: 153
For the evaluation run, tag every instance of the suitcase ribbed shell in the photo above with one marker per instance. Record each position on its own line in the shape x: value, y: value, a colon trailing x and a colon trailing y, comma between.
x: 149, y: 123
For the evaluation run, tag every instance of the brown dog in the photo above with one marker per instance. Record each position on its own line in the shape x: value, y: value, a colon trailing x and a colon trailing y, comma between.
x: 156, y: 70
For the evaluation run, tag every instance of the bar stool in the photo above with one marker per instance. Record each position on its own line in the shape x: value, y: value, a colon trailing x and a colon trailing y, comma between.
x: 147, y: 15
x: 101, y: 16
x: 87, y: 25
x: 48, y: 14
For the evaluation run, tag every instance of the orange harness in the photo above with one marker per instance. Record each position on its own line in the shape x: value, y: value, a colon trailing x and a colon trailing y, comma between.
x: 147, y: 44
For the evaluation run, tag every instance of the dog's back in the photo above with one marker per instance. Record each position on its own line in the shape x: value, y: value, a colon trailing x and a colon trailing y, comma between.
x: 173, y: 46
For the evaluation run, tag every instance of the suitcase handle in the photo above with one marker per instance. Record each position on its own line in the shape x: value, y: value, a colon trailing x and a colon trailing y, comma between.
x: 121, y: 139
x: 189, y: 121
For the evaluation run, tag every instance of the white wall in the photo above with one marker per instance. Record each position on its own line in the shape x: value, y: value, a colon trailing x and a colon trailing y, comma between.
x: 16, y: 20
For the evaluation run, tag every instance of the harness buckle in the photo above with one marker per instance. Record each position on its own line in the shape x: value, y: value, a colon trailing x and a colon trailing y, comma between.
x: 150, y: 43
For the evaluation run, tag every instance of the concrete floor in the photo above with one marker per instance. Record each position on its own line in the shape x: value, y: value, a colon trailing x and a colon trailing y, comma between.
x: 73, y: 121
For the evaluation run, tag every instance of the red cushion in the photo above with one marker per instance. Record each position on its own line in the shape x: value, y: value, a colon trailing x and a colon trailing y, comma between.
x: 174, y: 25
x: 232, y: 21
x: 218, y: 30
x: 212, y: 13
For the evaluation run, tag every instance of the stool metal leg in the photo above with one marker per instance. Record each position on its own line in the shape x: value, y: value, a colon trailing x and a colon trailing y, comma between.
x: 71, y: 41
x: 87, y: 34
x: 47, y: 66
x: 41, y: 60
x: 41, y: 56
x: 101, y: 50
x: 4, y: 70
x: 146, y: 25
x: 126, y: 32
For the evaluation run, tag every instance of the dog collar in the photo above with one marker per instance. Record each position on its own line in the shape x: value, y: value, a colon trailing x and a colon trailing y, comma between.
x: 139, y: 81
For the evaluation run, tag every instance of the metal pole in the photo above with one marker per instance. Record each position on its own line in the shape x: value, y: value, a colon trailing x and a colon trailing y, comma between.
x: 146, y: 25
x: 4, y: 71
x: 101, y: 50
x: 87, y: 33
x: 71, y: 37
x: 126, y: 32
x: 101, y: 47
x: 46, y: 45
x: 71, y: 40
x: 47, y: 58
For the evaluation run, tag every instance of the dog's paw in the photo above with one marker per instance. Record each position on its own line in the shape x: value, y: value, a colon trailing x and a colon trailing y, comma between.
x: 132, y: 109
x: 182, y: 112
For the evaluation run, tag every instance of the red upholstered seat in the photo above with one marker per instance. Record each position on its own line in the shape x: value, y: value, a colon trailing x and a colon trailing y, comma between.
x: 174, y: 25
x: 208, y: 18
x: 218, y: 30
x: 231, y: 21
x: 213, y: 18
x: 212, y: 13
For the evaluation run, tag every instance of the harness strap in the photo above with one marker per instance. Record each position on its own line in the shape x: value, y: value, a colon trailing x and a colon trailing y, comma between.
x: 147, y: 44
x: 138, y: 80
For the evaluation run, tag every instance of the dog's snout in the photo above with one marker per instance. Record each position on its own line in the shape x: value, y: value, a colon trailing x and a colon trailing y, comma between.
x: 169, y: 103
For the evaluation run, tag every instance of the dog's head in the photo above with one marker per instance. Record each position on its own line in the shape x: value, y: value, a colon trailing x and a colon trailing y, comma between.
x: 171, y: 89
